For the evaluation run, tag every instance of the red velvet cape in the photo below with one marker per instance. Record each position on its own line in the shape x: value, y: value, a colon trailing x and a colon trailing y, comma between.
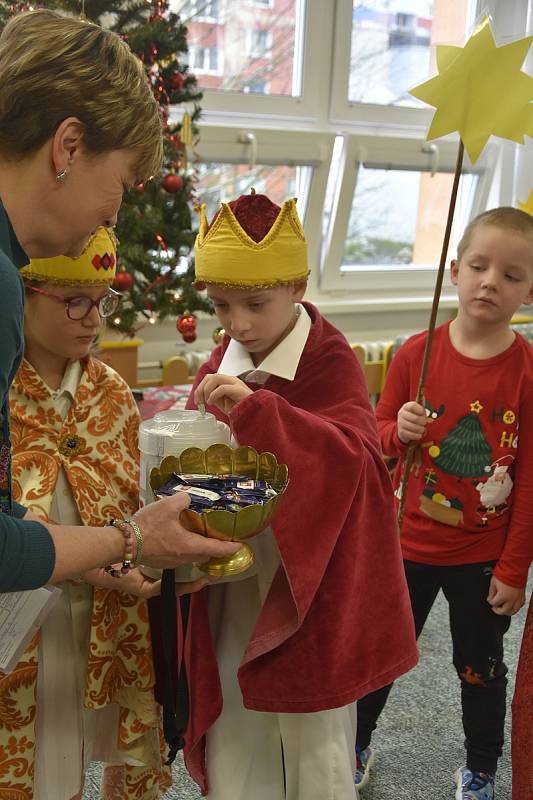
x: 522, y: 730
x: 337, y: 622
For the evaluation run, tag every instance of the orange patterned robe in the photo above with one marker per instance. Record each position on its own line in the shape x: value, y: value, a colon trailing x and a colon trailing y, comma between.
x: 96, y: 444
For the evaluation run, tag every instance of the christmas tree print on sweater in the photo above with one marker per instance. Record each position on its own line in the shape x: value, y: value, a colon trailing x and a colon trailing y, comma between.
x: 465, y: 453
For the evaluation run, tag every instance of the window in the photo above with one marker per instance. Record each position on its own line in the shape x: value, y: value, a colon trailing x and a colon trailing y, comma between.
x: 281, y: 78
x: 385, y: 47
x: 200, y: 9
x: 388, y: 203
x: 204, y: 59
x: 383, y: 232
x: 390, y: 52
x: 221, y: 182
x: 259, y: 43
x: 247, y: 35
x: 231, y: 162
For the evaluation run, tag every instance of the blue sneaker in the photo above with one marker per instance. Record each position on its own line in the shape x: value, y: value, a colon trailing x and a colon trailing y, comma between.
x: 474, y: 785
x: 365, y: 759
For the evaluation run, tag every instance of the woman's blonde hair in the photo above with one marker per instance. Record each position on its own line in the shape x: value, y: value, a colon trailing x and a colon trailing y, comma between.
x: 53, y: 67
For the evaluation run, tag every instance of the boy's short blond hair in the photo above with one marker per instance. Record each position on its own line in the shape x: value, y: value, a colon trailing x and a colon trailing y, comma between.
x: 53, y: 67
x: 506, y: 218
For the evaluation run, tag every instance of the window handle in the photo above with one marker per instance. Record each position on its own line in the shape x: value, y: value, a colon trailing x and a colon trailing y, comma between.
x: 432, y: 150
x: 249, y: 139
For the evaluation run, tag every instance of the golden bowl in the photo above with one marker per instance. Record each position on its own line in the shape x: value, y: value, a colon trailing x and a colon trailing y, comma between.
x: 220, y: 459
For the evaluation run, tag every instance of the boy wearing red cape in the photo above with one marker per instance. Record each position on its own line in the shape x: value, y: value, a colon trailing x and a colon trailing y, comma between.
x: 277, y: 659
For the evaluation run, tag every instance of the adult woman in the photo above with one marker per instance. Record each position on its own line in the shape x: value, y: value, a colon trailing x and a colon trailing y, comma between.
x: 78, y: 126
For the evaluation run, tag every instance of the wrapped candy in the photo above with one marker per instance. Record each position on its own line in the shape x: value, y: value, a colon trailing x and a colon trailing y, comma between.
x: 218, y: 492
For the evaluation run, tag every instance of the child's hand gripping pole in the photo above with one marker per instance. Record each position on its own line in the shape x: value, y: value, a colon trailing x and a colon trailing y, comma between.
x: 431, y: 327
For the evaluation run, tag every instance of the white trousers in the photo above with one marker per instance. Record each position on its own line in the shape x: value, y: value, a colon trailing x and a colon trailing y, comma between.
x: 255, y: 755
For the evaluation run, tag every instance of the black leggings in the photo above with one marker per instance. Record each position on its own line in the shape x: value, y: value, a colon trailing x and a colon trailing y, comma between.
x: 477, y: 637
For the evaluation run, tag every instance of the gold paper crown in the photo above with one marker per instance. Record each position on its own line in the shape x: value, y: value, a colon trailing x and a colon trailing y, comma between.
x: 96, y: 266
x: 225, y: 255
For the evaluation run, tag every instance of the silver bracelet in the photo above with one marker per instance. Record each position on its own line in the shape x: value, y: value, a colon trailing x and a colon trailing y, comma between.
x: 139, y: 540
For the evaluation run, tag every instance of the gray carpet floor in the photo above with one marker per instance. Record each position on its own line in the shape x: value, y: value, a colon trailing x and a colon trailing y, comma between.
x: 419, y: 742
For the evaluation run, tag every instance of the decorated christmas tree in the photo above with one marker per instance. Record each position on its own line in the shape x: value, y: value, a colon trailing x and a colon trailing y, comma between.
x: 155, y: 228
x: 465, y: 452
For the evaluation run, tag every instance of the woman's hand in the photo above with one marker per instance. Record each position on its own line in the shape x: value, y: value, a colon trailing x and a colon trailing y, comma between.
x: 137, y: 584
x: 222, y: 391
x: 167, y: 543
x: 133, y: 582
x: 411, y: 422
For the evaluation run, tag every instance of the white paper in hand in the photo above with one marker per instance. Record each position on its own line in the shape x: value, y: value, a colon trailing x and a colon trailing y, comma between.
x: 21, y: 614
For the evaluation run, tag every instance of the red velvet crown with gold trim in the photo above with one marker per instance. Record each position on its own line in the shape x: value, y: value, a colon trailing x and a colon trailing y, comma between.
x: 251, y: 242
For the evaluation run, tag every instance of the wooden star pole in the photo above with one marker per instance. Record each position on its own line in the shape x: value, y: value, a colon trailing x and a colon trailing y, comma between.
x: 409, y: 457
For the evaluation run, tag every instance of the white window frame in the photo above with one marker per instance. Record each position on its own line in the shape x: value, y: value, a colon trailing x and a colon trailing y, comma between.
x: 261, y: 4
x: 383, y: 152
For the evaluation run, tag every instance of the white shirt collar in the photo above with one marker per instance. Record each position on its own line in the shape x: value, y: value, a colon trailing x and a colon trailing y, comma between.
x: 282, y: 361
x: 71, y: 380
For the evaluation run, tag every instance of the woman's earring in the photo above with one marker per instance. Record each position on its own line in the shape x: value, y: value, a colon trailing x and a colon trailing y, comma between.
x: 60, y: 177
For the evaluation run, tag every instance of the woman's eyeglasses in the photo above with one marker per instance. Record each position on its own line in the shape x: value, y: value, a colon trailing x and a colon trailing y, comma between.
x: 80, y: 307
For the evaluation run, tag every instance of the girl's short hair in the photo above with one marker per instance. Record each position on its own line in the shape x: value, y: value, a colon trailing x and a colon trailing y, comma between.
x: 53, y: 67
x: 506, y: 217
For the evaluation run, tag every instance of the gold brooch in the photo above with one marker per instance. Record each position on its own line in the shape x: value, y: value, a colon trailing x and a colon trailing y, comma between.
x: 70, y: 445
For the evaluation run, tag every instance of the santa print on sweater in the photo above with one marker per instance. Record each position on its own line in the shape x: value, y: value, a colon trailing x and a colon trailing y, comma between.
x: 337, y: 621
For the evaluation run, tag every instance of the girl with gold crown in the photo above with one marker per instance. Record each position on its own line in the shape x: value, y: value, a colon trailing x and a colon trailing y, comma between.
x: 277, y: 660
x: 83, y: 689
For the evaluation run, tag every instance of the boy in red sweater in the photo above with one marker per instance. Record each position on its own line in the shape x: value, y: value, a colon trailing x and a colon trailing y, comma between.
x: 278, y: 658
x: 468, y: 519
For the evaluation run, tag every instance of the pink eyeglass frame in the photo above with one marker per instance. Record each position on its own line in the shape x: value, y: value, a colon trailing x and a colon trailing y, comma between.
x: 68, y: 300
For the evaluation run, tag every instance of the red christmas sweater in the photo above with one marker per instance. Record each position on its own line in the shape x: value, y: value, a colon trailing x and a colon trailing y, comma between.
x: 469, y: 495
x: 337, y: 622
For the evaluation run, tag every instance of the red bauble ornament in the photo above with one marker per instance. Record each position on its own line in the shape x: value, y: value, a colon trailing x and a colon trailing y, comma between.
x: 186, y: 324
x: 172, y: 183
x: 189, y: 337
x: 176, y: 81
x: 123, y: 281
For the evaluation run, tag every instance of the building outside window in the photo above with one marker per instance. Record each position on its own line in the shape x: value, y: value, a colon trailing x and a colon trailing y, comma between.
x: 257, y: 43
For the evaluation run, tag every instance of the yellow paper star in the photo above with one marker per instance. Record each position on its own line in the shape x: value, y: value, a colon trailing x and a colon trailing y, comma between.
x: 480, y: 90
x: 528, y: 205
x: 476, y: 407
